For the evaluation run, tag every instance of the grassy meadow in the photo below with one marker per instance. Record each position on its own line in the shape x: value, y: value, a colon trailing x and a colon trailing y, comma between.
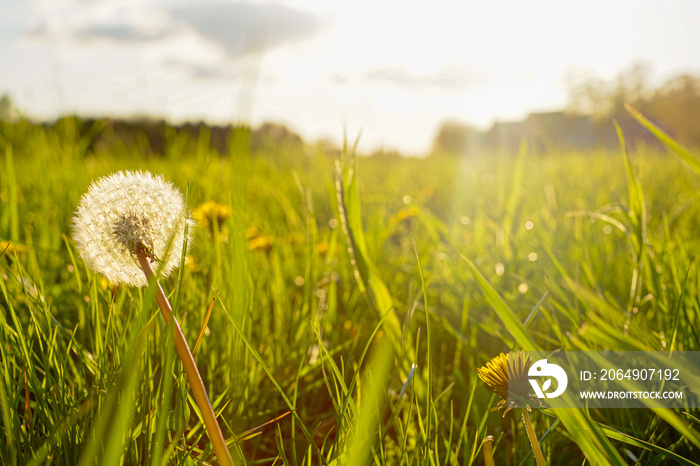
x: 343, y: 305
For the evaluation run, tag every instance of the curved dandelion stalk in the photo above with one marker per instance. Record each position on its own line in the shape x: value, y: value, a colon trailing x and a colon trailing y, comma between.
x: 134, y: 214
x: 198, y: 391
x: 506, y: 375
x: 534, y: 444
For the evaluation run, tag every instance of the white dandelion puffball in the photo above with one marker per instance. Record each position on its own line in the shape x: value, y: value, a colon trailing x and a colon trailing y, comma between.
x: 126, y: 212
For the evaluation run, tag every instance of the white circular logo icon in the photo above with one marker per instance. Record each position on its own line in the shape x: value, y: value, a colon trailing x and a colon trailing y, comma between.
x: 542, y: 368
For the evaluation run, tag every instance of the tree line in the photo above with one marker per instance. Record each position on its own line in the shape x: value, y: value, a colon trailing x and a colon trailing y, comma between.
x: 587, y: 121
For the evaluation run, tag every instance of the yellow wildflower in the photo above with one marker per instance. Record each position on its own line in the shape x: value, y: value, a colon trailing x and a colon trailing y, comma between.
x: 403, y: 214
x: 322, y: 247
x: 211, y: 216
x: 8, y: 249
x: 260, y: 242
x: 507, y: 374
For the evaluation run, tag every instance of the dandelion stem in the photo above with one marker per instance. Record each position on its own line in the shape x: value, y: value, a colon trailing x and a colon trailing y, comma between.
x: 198, y: 391
x: 533, y: 438
x: 488, y: 451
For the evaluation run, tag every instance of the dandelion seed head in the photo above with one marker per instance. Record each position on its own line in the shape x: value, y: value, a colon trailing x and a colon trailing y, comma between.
x: 126, y: 212
x: 134, y: 232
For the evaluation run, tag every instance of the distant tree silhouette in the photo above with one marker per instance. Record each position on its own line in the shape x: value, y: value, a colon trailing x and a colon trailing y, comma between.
x: 594, y: 104
x: 456, y: 138
x: 600, y: 99
x: 677, y: 105
x: 8, y: 111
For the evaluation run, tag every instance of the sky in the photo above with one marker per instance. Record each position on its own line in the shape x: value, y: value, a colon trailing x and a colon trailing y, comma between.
x: 391, y: 72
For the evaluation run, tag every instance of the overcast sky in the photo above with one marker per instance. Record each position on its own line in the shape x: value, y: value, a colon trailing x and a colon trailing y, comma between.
x: 392, y: 70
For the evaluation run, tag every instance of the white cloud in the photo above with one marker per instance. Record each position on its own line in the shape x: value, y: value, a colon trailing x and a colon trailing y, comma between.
x: 394, y: 71
x: 243, y: 28
x: 446, y: 78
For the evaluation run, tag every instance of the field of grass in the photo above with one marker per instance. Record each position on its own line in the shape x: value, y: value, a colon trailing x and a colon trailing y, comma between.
x: 309, y: 347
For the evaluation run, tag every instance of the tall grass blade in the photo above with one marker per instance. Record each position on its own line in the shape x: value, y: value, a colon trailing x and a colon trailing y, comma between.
x: 374, y: 382
x: 366, y: 274
x: 659, y: 451
x: 688, y: 157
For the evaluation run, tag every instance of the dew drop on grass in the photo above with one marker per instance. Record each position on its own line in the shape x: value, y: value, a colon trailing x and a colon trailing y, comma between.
x: 313, y: 354
x: 532, y: 257
x: 529, y: 225
x: 500, y: 269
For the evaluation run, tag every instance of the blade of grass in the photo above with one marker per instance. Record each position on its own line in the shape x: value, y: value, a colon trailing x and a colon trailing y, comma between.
x: 684, y: 154
x: 630, y: 440
x: 366, y: 274
x: 6, y: 421
x: 375, y: 383
x: 505, y: 314
x: 206, y: 321
x: 429, y: 353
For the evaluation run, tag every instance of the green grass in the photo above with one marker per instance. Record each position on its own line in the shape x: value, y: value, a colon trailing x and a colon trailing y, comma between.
x: 440, y: 262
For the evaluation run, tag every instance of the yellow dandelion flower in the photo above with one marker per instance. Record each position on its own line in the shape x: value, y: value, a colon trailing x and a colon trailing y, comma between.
x: 322, y: 247
x: 8, y: 249
x: 104, y: 284
x: 252, y: 232
x: 260, y: 242
x: 191, y: 264
x: 211, y: 214
x: 506, y: 375
x: 403, y: 215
